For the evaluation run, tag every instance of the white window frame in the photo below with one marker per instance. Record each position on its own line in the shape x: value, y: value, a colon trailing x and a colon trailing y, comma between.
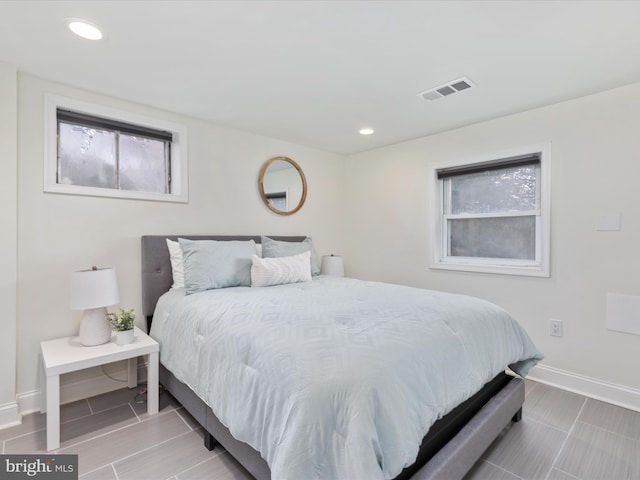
x: 540, y: 267
x: 179, y: 161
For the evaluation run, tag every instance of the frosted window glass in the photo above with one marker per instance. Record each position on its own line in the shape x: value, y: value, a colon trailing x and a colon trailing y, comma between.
x: 501, y: 237
x: 142, y: 164
x: 497, y: 191
x: 87, y: 157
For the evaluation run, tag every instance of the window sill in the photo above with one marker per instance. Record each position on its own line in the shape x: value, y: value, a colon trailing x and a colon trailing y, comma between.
x: 106, y: 192
x: 534, y: 270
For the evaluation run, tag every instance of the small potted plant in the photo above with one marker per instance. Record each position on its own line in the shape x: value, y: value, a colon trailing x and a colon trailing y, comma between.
x: 122, y: 323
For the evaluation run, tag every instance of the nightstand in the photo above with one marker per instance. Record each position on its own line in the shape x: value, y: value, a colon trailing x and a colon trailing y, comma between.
x: 65, y: 355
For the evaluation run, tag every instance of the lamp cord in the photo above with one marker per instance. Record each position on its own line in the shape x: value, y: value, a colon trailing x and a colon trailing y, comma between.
x: 141, y: 396
x: 112, y: 378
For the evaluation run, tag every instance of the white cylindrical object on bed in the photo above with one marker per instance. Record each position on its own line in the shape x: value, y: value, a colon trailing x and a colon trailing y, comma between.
x: 332, y: 265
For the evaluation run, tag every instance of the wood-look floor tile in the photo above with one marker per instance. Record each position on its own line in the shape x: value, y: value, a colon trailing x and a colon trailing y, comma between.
x: 556, y: 474
x: 553, y: 407
x: 97, y: 424
x: 30, y: 423
x: 592, y: 453
x: 136, y: 397
x: 528, y: 386
x: 112, y: 399
x: 104, y: 473
x: 74, y: 431
x: 526, y: 449
x: 220, y: 467
x: 166, y: 459
x: 166, y: 402
x: 611, y: 417
x: 34, y: 442
x: 116, y: 445
x: 74, y: 410
x: 188, y: 419
x: 484, y: 470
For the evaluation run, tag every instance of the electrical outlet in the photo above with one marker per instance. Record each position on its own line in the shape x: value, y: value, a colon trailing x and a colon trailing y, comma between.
x: 555, y: 327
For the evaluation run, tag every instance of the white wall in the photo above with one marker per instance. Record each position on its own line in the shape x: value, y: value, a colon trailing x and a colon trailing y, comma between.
x: 379, y: 222
x: 8, y: 245
x: 595, y: 155
x: 61, y: 233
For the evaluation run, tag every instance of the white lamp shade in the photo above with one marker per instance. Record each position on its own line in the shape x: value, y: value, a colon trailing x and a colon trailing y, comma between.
x: 332, y: 265
x: 94, y: 289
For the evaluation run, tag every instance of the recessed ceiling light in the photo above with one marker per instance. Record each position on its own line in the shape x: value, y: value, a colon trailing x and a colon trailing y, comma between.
x: 84, y: 29
x: 366, y: 131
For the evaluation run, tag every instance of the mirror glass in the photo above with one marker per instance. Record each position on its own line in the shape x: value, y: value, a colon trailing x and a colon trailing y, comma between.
x: 283, y: 186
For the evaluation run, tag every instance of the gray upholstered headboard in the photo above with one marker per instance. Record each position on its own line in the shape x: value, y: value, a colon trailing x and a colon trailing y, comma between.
x: 156, y: 266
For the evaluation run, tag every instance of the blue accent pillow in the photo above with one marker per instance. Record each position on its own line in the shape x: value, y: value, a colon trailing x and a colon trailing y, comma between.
x: 210, y: 264
x: 276, y: 248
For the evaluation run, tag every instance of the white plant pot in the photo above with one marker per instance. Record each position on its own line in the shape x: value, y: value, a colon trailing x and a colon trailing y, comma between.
x: 125, y: 337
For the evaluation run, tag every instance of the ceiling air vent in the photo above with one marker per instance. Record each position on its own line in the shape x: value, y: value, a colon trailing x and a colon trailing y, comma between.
x: 447, y: 89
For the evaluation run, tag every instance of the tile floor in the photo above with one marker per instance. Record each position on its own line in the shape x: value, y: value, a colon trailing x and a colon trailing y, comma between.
x: 562, y: 436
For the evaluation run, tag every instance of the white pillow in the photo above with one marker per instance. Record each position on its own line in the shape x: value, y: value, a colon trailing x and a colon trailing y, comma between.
x: 280, y: 270
x: 277, y: 248
x: 177, y: 264
x: 259, y: 249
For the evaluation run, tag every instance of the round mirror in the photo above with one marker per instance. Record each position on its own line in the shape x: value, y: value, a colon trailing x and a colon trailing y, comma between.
x: 282, y: 184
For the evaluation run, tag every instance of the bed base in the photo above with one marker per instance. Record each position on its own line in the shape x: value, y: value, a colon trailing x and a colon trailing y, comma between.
x: 450, y: 449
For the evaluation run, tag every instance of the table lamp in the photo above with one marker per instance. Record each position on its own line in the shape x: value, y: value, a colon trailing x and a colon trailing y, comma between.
x: 92, y: 291
x: 332, y: 265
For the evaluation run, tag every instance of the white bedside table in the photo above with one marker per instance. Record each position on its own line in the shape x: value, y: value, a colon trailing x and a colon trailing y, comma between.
x: 66, y: 355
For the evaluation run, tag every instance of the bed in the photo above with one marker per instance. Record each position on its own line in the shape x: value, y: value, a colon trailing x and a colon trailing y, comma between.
x: 447, y: 446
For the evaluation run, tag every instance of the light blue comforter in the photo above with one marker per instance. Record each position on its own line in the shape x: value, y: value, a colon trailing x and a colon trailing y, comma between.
x: 336, y: 378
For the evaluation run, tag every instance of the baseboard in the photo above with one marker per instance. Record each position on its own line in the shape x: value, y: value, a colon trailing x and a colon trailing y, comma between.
x: 10, y: 415
x: 29, y: 402
x: 590, y: 387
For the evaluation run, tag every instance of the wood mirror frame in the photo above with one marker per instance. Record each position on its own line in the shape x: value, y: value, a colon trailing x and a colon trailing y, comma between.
x: 263, y: 194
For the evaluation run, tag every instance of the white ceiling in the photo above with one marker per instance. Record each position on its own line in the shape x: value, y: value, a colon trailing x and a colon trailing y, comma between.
x: 315, y: 72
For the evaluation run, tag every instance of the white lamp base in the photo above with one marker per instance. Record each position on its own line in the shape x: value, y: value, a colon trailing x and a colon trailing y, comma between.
x: 95, y: 328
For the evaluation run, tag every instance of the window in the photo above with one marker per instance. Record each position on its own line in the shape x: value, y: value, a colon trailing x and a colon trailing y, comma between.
x: 493, y: 214
x: 93, y: 150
